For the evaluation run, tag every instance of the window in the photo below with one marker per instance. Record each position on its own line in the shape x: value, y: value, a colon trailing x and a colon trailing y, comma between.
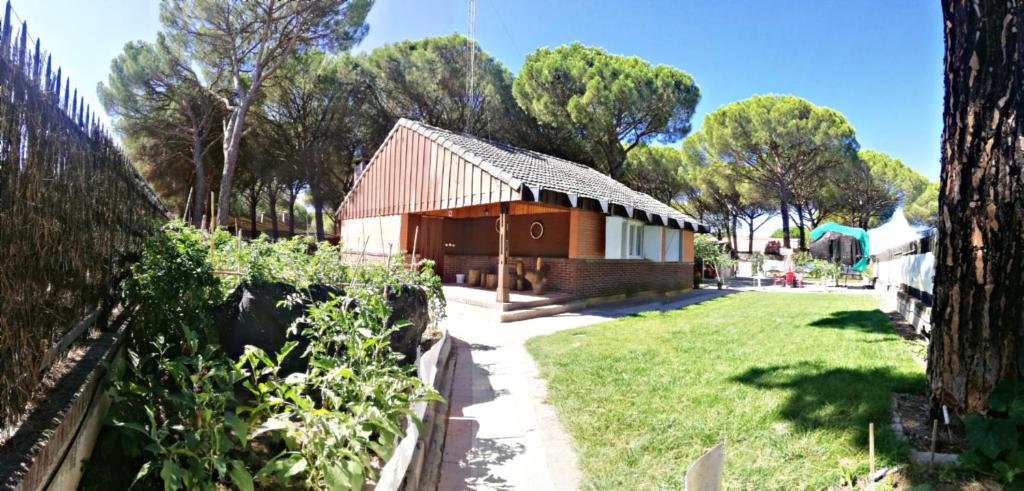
x: 624, y: 238
x: 634, y: 231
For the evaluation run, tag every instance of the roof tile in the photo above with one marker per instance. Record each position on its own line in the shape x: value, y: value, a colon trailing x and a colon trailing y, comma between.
x: 518, y: 166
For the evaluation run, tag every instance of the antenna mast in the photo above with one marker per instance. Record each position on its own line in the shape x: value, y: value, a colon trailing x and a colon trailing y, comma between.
x: 471, y: 83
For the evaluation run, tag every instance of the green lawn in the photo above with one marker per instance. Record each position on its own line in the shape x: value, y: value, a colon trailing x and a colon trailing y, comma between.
x: 788, y: 381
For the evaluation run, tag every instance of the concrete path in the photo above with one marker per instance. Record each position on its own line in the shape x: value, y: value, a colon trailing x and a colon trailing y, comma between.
x: 501, y: 432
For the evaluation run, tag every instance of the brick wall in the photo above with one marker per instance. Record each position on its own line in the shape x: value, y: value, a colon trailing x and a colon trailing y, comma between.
x: 588, y: 277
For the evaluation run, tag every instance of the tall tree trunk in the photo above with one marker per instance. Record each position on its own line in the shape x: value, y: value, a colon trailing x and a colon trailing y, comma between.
x: 800, y: 223
x: 199, y: 199
x: 750, y: 239
x: 253, y: 203
x: 292, y: 197
x: 784, y: 209
x: 233, y: 129
x: 978, y: 318
x: 735, y: 234
x: 272, y: 208
x: 318, y: 209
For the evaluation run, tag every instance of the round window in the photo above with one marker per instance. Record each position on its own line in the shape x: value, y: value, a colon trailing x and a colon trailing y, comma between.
x: 536, y: 230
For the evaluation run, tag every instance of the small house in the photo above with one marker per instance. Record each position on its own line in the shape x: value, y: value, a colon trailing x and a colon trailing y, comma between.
x: 478, y: 207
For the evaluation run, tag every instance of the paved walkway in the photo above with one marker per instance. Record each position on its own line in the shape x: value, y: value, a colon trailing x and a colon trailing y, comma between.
x: 501, y: 432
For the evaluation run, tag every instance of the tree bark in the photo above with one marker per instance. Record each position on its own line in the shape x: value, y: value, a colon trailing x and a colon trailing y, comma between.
x: 978, y: 316
x: 272, y: 208
x: 750, y: 239
x: 318, y: 209
x: 292, y: 197
x: 199, y: 205
x: 252, y: 221
x: 233, y: 129
x: 800, y: 223
x: 735, y: 234
x: 784, y: 209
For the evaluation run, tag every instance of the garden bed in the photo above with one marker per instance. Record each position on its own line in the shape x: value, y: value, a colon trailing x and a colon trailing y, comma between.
x: 291, y: 368
x: 912, y: 413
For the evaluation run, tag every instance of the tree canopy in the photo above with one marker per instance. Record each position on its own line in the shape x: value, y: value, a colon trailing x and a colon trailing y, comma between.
x: 167, y: 120
x: 778, y: 142
x: 924, y: 210
x: 426, y: 80
x: 714, y: 193
x: 313, y: 110
x: 238, y: 44
x: 655, y: 171
x: 611, y: 103
x: 874, y: 186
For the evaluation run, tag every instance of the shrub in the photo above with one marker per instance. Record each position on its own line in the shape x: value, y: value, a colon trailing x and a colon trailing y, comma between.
x: 825, y: 270
x: 709, y: 251
x: 996, y: 440
x: 170, y: 404
x: 756, y: 264
x: 801, y: 259
x: 178, y: 413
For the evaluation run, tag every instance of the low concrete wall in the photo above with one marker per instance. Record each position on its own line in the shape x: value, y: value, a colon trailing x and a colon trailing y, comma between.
x: 48, y: 450
x: 908, y: 277
x: 416, y: 462
x: 589, y: 277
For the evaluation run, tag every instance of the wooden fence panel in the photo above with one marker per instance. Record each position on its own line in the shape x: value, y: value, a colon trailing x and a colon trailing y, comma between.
x: 74, y: 213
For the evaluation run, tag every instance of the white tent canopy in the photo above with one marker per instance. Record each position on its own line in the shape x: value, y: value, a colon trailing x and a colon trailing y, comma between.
x: 894, y: 233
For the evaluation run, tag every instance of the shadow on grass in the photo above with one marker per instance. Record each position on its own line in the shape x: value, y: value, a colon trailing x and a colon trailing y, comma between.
x: 871, y: 321
x: 838, y: 400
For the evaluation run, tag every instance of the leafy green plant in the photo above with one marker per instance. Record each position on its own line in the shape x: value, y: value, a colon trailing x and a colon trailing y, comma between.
x: 709, y: 251
x: 996, y: 440
x: 825, y: 270
x: 171, y: 404
x: 299, y: 261
x: 175, y: 414
x: 757, y: 264
x: 346, y: 407
x: 801, y: 259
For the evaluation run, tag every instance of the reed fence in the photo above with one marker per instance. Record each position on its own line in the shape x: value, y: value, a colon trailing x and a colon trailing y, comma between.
x: 74, y: 213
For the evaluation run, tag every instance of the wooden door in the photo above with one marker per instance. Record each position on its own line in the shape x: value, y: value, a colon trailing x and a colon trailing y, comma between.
x: 432, y: 240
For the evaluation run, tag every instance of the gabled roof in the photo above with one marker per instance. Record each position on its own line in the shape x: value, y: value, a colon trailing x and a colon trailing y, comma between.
x: 526, y: 170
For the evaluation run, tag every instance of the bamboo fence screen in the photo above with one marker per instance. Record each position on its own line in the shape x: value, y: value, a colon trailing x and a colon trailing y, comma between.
x: 74, y: 213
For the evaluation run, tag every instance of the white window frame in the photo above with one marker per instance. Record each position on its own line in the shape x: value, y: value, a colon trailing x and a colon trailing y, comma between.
x: 633, y: 236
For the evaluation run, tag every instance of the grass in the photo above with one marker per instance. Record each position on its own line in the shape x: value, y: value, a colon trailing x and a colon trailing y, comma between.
x: 788, y: 381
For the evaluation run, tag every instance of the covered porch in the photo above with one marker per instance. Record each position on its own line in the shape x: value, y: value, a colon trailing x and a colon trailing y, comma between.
x: 510, y: 220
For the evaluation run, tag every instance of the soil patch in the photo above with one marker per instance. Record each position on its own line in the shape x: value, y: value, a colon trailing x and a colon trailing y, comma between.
x: 914, y: 415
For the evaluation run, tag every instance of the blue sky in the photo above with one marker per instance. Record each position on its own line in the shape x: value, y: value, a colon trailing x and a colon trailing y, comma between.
x: 879, y: 62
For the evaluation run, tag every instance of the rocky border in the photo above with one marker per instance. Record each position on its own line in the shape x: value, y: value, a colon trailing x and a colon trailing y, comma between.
x: 918, y: 456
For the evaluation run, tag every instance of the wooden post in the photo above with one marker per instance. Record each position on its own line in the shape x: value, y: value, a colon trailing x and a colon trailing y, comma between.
x: 871, y: 450
x: 935, y: 436
x: 188, y: 202
x: 503, y: 254
x: 415, y: 239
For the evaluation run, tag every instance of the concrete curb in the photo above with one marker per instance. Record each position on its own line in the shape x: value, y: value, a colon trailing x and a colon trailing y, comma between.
x: 416, y: 461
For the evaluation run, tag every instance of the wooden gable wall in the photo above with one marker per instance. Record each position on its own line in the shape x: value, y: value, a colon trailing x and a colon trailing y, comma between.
x: 410, y: 173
